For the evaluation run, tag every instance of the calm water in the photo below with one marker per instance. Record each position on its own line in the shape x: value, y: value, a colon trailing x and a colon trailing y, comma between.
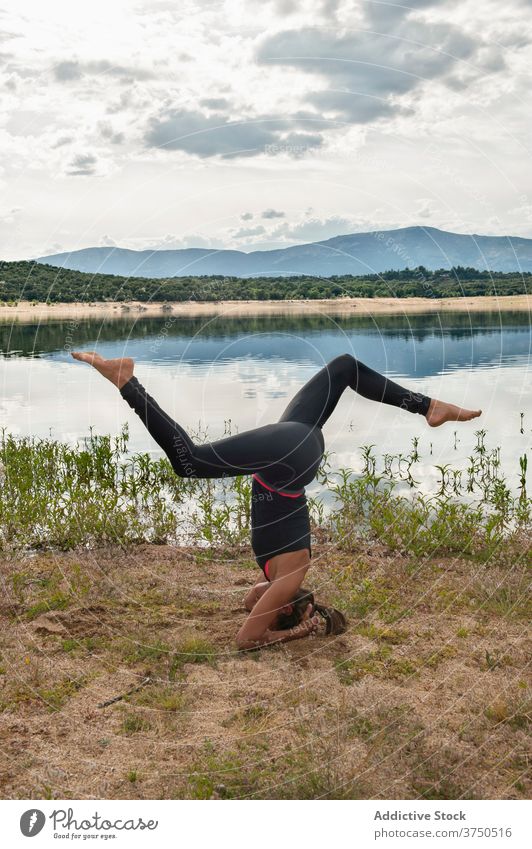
x: 205, y: 371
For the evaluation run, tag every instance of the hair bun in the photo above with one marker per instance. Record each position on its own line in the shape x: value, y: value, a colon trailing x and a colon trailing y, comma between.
x: 336, y: 622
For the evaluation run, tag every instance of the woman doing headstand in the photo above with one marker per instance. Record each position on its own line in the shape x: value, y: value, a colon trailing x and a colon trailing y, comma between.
x: 283, y: 458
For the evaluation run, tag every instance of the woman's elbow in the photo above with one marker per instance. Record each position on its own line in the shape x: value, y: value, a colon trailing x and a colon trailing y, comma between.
x: 245, y: 643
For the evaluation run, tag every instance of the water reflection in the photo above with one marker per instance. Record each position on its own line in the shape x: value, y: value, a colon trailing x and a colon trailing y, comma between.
x: 419, y: 345
x: 207, y: 370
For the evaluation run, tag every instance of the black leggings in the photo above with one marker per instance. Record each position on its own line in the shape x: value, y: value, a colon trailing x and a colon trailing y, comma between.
x: 287, y: 454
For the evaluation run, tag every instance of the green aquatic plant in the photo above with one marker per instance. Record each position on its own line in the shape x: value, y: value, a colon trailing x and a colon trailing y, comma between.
x: 57, y: 495
x: 373, y: 505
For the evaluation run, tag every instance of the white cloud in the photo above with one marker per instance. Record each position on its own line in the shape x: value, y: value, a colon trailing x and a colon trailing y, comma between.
x: 70, y: 70
x: 62, y: 140
x: 172, y: 118
x: 197, y: 134
x: 8, y: 215
x: 82, y: 164
x: 426, y: 208
x: 172, y: 242
x: 272, y: 213
x: 109, y: 133
x: 313, y: 229
x: 246, y: 232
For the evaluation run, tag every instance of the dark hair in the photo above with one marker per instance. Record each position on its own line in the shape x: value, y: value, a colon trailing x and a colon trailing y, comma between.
x: 335, y: 621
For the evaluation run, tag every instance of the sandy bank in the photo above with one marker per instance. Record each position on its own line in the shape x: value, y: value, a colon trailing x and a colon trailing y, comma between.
x: 26, y: 311
x: 421, y: 698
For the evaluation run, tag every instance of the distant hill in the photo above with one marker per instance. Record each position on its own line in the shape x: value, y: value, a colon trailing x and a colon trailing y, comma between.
x: 355, y: 254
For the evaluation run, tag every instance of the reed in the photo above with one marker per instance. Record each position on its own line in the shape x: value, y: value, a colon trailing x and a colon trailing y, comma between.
x: 55, y: 495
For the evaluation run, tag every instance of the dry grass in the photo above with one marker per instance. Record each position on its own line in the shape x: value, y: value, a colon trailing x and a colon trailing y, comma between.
x: 426, y: 696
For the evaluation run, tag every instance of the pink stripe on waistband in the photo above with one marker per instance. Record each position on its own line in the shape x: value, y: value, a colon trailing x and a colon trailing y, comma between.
x: 286, y: 494
x: 266, y: 570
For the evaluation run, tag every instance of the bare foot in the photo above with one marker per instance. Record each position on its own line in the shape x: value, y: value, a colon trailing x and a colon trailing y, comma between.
x: 118, y: 371
x: 440, y: 412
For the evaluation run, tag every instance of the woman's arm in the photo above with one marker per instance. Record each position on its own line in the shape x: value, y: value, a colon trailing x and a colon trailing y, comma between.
x: 255, y: 631
x: 307, y: 626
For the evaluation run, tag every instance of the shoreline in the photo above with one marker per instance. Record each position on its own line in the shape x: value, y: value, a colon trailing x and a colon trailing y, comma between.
x: 26, y: 311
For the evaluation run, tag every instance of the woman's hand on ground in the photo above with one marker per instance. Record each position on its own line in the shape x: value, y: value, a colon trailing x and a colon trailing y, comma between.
x: 307, y: 614
x: 308, y: 624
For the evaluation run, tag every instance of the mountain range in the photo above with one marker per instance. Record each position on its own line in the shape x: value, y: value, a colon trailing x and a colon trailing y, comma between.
x: 355, y: 253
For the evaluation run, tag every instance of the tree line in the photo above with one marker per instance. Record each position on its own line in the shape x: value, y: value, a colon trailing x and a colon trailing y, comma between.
x: 32, y: 281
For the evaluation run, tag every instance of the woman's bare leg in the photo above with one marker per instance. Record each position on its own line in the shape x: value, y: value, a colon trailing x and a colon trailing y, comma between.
x: 440, y: 412
x: 118, y: 371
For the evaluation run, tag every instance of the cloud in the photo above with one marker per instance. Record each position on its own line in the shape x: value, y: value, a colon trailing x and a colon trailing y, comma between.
x: 491, y: 58
x: 204, y: 136
x: 286, y: 7
x: 83, y: 164
x: 189, y: 240
x: 7, y: 36
x: 215, y: 103
x: 354, y: 107
x: 246, y: 232
x: 387, y: 13
x: 13, y: 66
x: 69, y: 70
x: 369, y: 71
x: 329, y: 8
x: 272, y: 213
x: 66, y: 71
x: 313, y: 229
x: 109, y: 134
x: 54, y: 248
x: 28, y: 122
x: 298, y: 75
x: 8, y: 214
x: 62, y: 141
x: 426, y: 208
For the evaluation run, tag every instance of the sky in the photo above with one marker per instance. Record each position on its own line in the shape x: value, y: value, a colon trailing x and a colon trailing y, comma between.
x: 260, y: 124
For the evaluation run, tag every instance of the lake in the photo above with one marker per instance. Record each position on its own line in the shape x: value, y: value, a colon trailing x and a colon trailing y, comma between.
x: 217, y: 371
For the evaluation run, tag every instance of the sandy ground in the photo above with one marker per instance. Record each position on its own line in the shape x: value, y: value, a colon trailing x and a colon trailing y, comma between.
x: 25, y: 311
x: 425, y: 697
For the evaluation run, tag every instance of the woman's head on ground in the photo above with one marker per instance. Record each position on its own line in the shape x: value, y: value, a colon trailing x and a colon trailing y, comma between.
x: 292, y: 614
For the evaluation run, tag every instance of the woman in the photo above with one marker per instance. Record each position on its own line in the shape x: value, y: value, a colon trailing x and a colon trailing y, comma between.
x: 283, y: 458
